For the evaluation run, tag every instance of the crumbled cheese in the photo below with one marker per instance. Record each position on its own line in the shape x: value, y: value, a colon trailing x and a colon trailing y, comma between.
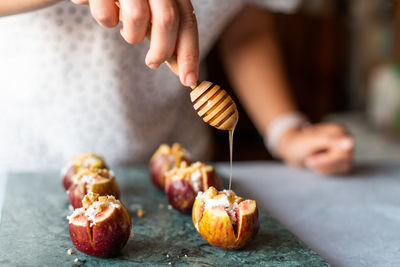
x: 195, y: 180
x: 75, y: 214
x: 199, y: 194
x: 169, y: 206
x: 69, y: 251
x: 89, y: 162
x: 167, y: 255
x: 227, y: 192
x: 76, y: 260
x: 215, y: 202
x: 224, y: 202
x: 89, y: 180
x: 92, y: 211
x: 185, y: 256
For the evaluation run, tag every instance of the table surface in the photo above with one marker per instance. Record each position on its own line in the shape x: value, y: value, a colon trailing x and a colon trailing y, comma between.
x: 350, y: 221
x: 34, y: 230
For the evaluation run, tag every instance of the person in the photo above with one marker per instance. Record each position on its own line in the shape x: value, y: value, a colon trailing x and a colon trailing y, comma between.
x: 69, y: 85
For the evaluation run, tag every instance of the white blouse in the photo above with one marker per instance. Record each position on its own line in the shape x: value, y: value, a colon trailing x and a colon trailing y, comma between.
x: 68, y: 85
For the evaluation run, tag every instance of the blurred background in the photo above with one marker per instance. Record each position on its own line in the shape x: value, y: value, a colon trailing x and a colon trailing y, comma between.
x: 343, y: 64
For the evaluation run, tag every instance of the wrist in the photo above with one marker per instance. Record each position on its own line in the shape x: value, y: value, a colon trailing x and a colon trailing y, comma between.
x: 282, y: 128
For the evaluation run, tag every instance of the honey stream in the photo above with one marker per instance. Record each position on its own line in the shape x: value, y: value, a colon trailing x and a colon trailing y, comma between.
x: 230, y: 154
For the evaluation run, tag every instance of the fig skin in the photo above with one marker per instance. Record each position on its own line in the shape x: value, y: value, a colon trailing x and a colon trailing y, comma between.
x: 158, y: 167
x: 215, y: 226
x: 165, y: 159
x: 67, y: 179
x: 181, y: 195
x: 180, y: 192
x: 80, y: 162
x: 107, y: 237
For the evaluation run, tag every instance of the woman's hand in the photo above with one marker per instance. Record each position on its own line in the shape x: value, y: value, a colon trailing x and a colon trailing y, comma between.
x: 170, y: 24
x: 325, y: 148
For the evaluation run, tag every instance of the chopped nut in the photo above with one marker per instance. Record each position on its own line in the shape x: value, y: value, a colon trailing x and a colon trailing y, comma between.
x: 141, y: 213
x: 135, y: 207
x: 89, y: 199
x: 76, y: 260
x: 69, y: 251
x: 102, y: 198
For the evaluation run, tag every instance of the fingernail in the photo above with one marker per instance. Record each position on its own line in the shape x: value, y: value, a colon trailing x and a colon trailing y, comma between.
x: 190, y: 79
x: 346, y: 143
x: 153, y: 65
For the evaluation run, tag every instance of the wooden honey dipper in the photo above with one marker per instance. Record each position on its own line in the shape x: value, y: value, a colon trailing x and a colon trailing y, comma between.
x: 213, y: 104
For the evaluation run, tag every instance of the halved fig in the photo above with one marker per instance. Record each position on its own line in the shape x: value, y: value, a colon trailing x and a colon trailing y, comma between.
x: 183, y: 184
x: 101, y: 227
x: 81, y: 161
x: 100, y: 181
x: 225, y: 220
x: 163, y: 160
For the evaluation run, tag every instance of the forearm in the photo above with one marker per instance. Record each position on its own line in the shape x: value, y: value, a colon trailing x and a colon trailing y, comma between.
x: 253, y: 64
x: 10, y: 7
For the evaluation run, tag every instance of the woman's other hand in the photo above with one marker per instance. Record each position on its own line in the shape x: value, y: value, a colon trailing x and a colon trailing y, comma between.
x: 324, y: 148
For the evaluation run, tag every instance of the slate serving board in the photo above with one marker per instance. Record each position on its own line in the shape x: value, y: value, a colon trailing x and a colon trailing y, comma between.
x: 34, y: 230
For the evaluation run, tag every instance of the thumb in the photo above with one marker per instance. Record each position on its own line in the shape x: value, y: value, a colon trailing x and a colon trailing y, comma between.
x: 345, y: 143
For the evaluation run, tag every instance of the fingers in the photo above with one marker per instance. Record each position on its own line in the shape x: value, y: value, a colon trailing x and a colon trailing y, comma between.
x: 164, y: 31
x: 187, y: 48
x: 105, y: 12
x: 135, y: 18
x: 330, y: 162
x: 334, y: 158
x: 80, y: 2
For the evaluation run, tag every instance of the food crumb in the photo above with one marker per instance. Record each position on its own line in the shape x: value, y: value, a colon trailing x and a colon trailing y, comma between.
x: 169, y: 207
x: 69, y: 251
x: 131, y: 235
x: 160, y: 206
x: 167, y: 255
x: 76, y: 260
x: 185, y: 255
x: 141, y: 213
x: 169, y: 263
x: 135, y: 207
